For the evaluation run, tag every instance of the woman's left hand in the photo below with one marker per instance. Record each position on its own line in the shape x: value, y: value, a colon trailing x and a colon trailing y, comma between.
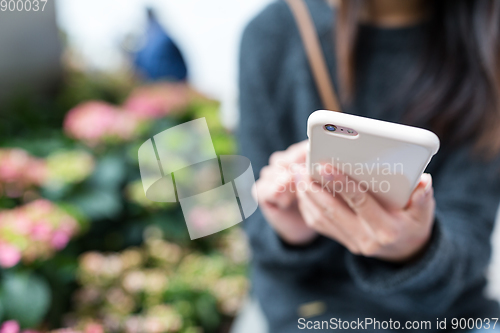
x: 354, y: 218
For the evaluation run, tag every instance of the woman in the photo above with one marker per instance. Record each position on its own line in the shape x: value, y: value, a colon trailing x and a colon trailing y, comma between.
x: 319, y: 258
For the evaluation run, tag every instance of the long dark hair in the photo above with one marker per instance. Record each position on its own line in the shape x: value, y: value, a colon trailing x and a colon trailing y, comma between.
x: 457, y: 90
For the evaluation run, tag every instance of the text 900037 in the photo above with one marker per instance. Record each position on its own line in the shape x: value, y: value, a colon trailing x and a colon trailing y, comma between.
x: 22, y: 5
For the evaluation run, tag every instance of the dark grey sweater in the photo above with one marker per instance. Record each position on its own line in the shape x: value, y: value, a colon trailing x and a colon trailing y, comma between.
x: 277, y: 95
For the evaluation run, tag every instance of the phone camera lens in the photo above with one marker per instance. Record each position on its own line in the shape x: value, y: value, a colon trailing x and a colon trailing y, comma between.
x: 330, y: 128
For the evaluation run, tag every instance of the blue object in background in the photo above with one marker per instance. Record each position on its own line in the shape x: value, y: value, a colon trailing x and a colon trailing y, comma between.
x: 160, y: 58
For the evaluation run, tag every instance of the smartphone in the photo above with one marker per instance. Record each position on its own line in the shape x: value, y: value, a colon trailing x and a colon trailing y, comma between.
x: 384, y: 158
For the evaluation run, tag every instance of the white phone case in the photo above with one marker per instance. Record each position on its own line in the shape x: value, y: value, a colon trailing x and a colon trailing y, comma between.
x: 387, y: 158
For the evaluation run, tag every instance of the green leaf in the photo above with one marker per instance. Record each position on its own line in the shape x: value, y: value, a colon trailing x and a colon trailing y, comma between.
x: 1, y: 311
x: 26, y: 298
x: 77, y: 214
x: 98, y: 204
x: 109, y: 172
x: 206, y: 308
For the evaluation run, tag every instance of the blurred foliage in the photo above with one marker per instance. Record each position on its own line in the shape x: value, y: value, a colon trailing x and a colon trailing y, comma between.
x: 25, y: 297
x: 97, y: 183
x: 26, y: 116
x: 192, y: 290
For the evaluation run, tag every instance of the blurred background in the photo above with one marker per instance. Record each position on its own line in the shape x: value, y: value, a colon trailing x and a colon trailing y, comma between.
x: 83, y: 84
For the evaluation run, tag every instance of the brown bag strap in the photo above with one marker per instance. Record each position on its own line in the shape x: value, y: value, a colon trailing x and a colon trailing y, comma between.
x: 314, y: 54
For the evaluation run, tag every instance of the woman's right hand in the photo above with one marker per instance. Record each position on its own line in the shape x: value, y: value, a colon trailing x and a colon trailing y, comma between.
x: 276, y: 194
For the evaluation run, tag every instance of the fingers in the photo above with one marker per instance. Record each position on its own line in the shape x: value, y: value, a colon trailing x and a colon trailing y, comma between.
x: 327, y: 215
x: 289, y: 224
x: 376, y: 220
x: 363, y: 226
x: 422, y: 203
x: 334, y: 207
x: 296, y: 153
x: 356, y: 195
x: 274, y: 187
x: 353, y: 217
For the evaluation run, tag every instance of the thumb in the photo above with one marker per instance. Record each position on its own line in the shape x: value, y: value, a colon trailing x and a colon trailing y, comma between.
x: 421, y: 205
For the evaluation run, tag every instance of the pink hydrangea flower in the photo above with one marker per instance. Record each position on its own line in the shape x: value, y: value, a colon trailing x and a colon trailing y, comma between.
x: 89, y: 121
x: 12, y: 164
x: 41, y: 228
x: 19, y: 170
x: 39, y: 207
x: 23, y: 224
x: 36, y: 172
x: 9, y: 256
x: 10, y: 326
x: 144, y: 106
x: 68, y: 225
x: 124, y: 126
x: 94, y: 328
x: 156, y: 101
x: 93, y: 122
x: 41, y: 231
x: 60, y: 239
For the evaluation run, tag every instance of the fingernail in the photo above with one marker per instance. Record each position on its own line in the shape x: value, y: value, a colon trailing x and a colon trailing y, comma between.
x: 428, y: 186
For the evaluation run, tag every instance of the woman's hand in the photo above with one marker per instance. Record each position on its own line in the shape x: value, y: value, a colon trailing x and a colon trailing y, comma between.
x: 352, y: 216
x: 275, y: 191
